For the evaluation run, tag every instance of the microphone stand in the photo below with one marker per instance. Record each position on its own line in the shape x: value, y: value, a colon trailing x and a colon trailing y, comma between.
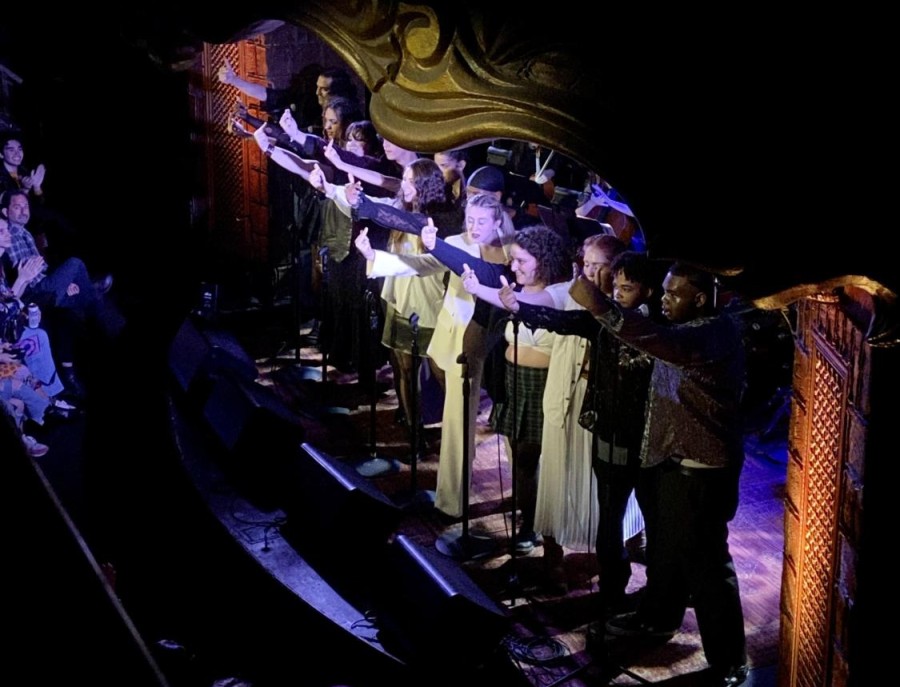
x: 308, y: 372
x: 514, y: 585
x: 323, y: 296
x: 375, y: 465
x: 418, y: 500
x: 464, y: 546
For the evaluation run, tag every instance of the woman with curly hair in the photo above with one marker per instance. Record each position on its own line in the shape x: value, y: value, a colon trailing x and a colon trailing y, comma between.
x: 541, y: 264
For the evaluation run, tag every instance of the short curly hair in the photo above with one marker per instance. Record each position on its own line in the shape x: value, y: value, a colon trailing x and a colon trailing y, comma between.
x: 554, y: 263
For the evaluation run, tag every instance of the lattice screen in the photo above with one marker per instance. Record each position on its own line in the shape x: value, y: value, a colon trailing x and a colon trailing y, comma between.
x: 817, y: 571
x: 236, y: 169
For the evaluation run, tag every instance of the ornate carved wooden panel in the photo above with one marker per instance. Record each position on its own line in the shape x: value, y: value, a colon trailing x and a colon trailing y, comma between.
x: 824, y: 494
x: 236, y: 170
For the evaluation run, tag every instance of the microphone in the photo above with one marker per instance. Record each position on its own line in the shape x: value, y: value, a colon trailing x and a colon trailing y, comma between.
x: 414, y: 321
x: 323, y: 252
x: 644, y: 309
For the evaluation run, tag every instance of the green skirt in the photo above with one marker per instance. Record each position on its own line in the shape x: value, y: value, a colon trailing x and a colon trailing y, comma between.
x: 525, y: 422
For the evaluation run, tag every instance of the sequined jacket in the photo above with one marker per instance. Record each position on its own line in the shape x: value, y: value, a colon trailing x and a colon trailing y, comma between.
x: 615, y: 401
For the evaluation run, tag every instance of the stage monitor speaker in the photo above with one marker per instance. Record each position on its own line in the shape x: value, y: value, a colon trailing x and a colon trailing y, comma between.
x: 429, y: 612
x: 259, y: 434
x: 338, y: 521
x: 200, y: 352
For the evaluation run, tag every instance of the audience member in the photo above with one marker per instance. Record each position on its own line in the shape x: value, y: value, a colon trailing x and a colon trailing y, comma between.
x: 22, y: 329
x: 65, y: 294
x: 54, y: 235
x: 13, y: 173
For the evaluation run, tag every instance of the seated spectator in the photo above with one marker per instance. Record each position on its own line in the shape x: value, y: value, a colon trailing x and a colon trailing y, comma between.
x: 54, y: 235
x: 14, y: 174
x: 66, y: 294
x: 24, y: 333
x: 13, y: 411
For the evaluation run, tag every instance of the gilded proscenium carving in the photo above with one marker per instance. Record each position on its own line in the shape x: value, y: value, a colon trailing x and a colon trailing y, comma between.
x: 449, y: 76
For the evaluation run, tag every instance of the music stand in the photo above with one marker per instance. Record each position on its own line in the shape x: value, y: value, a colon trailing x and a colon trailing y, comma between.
x: 464, y: 546
x: 416, y: 500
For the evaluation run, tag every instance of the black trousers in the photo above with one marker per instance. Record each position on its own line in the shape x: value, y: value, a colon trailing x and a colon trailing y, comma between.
x: 614, y: 486
x: 688, y: 556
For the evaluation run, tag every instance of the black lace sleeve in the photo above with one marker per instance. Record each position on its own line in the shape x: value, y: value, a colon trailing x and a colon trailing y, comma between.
x: 389, y: 217
x: 567, y: 322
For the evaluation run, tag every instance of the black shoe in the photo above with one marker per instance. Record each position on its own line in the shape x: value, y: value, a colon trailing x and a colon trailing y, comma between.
x: 632, y: 625
x: 526, y: 541
x: 636, y: 547
x: 73, y: 387
x: 104, y: 284
x: 56, y: 413
x: 730, y: 676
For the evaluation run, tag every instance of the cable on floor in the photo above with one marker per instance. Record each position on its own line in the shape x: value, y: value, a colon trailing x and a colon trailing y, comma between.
x: 537, y: 650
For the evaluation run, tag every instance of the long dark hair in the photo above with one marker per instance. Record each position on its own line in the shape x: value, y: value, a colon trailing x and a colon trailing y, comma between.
x: 347, y: 112
x: 431, y: 192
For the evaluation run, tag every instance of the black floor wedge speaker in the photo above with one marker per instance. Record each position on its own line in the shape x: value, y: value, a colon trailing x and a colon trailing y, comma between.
x: 338, y: 521
x: 431, y: 613
x: 200, y: 352
x: 259, y: 437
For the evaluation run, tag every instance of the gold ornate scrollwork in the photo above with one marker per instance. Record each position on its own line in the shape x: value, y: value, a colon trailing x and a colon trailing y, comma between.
x: 447, y: 76
x: 459, y: 73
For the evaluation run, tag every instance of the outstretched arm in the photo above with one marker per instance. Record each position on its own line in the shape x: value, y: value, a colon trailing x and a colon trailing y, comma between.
x: 342, y: 162
x: 504, y: 297
x: 389, y: 217
x: 459, y: 261
x: 228, y: 76
x: 568, y: 322
x: 380, y: 263
x: 282, y: 157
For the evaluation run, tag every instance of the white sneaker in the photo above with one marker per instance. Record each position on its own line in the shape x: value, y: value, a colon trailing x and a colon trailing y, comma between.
x: 33, y: 447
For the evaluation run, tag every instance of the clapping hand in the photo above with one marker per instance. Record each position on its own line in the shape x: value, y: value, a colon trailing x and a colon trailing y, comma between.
x: 363, y: 245
x: 429, y: 235
x: 34, y: 180
x: 31, y: 267
x: 507, y: 296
